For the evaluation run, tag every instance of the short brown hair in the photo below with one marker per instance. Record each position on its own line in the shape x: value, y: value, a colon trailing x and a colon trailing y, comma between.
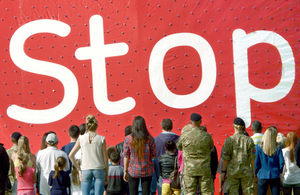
x: 167, y: 124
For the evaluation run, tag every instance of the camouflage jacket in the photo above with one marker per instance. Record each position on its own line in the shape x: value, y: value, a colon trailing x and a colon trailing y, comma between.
x: 196, y: 146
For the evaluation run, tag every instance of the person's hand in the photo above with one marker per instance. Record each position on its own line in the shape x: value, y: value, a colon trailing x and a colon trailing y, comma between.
x: 80, y: 175
x: 220, y: 190
x: 125, y: 177
x: 223, y: 177
x: 106, y: 181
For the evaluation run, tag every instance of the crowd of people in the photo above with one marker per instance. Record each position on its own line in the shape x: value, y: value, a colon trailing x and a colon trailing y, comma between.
x: 168, y: 164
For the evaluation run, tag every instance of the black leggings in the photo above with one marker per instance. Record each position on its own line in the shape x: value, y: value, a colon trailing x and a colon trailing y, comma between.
x: 134, y: 185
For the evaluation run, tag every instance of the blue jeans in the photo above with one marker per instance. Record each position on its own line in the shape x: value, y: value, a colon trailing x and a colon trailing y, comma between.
x: 99, y: 178
x: 263, y: 184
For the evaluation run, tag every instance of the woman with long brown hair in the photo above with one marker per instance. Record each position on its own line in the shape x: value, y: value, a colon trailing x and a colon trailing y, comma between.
x: 139, y: 150
x: 291, y: 172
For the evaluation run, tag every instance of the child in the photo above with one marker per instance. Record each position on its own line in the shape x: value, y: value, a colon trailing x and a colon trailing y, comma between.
x: 25, y: 175
x: 116, y: 184
x: 59, y: 179
x: 75, y: 180
x: 109, y: 151
x: 166, y: 164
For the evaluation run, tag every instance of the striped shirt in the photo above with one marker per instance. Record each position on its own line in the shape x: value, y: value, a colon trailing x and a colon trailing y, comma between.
x: 257, y: 137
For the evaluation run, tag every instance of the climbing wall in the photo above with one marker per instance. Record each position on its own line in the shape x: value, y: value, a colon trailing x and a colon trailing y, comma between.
x: 62, y: 60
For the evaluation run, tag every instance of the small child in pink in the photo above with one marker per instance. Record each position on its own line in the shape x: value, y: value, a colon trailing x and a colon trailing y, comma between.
x: 25, y: 175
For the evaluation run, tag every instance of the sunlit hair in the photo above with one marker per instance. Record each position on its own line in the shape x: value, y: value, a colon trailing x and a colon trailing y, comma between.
x: 91, y: 123
x: 140, y: 135
x: 75, y: 174
x: 43, y: 144
x: 269, y: 141
x: 239, y: 127
x: 291, y: 142
x: 23, y: 158
x: 23, y: 145
x: 60, y: 163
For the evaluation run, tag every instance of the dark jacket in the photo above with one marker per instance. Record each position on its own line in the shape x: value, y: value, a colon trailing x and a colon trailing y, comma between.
x: 160, y: 142
x: 297, y: 153
x: 166, y: 164
x: 119, y: 147
x: 4, y: 163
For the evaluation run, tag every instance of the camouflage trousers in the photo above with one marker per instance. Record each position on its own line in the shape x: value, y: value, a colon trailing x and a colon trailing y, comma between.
x: 190, y: 184
x: 233, y: 184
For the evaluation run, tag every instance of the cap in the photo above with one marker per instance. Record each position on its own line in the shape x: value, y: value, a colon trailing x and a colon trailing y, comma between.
x: 16, y: 135
x: 196, y: 117
x: 51, y: 138
x: 239, y: 121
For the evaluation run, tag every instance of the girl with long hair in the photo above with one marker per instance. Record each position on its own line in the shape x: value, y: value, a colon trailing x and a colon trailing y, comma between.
x: 94, y: 158
x: 75, y: 180
x: 23, y: 147
x: 25, y: 175
x: 59, y: 179
x: 291, y: 172
x: 139, y: 150
x: 269, y: 162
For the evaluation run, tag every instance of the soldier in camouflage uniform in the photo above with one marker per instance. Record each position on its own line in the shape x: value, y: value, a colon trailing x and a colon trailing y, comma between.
x: 238, y: 154
x: 196, y: 146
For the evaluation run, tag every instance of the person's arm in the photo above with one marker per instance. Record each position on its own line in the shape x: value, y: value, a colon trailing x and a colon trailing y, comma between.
x: 33, y: 159
x: 214, y: 162
x: 126, y: 162
x: 252, y: 162
x: 297, y: 153
x: 224, y: 169
x: 72, y: 158
x: 257, y: 160
x: 152, y: 149
x: 281, y: 160
x: 34, y: 177
x: 105, y: 158
x: 12, y: 167
x: 179, y: 143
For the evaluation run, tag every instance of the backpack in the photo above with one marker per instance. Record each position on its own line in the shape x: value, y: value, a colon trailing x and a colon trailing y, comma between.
x: 175, y: 176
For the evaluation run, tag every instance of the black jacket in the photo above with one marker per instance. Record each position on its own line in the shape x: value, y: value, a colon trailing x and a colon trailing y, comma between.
x: 119, y: 147
x: 4, y: 164
x: 166, y: 164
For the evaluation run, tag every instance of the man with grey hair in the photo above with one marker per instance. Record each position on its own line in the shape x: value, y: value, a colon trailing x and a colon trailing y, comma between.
x: 46, y: 159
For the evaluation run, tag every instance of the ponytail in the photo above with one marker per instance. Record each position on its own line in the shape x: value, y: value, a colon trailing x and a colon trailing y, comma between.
x: 23, y: 158
x: 59, y: 164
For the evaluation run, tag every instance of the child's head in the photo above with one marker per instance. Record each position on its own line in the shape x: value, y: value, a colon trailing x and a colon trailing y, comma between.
x: 75, y: 174
x: 115, y: 157
x: 82, y: 128
x: 23, y: 158
x: 110, y: 150
x: 59, y: 165
x: 23, y: 145
x: 170, y: 146
x: 15, y: 137
x: 74, y: 131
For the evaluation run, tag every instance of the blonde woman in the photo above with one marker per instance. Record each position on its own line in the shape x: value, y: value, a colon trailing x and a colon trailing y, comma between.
x: 269, y: 163
x: 94, y: 158
x: 23, y: 147
x: 291, y: 172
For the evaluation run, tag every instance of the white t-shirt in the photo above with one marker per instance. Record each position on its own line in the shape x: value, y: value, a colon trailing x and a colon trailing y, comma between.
x: 91, y: 153
x: 46, y: 159
x: 75, y: 189
x: 291, y: 172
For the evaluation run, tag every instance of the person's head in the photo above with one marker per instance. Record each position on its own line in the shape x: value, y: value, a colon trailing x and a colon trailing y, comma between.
x: 115, y: 158
x: 281, y: 139
x: 128, y: 130
x: 59, y: 165
x: 51, y: 139
x: 91, y: 123
x: 239, y: 124
x: 82, y: 128
x: 170, y: 146
x: 256, y: 127
x: 23, y: 145
x: 74, y: 131
x: 203, y: 128
x: 196, y: 119
x: 269, y: 141
x: 75, y: 174
x: 110, y: 150
x: 23, y: 158
x: 139, y: 134
x: 291, y: 142
x: 167, y: 124
x: 15, y: 137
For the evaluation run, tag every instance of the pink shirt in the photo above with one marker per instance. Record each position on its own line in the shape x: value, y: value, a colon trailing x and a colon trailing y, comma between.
x: 180, y: 161
x: 25, y: 183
